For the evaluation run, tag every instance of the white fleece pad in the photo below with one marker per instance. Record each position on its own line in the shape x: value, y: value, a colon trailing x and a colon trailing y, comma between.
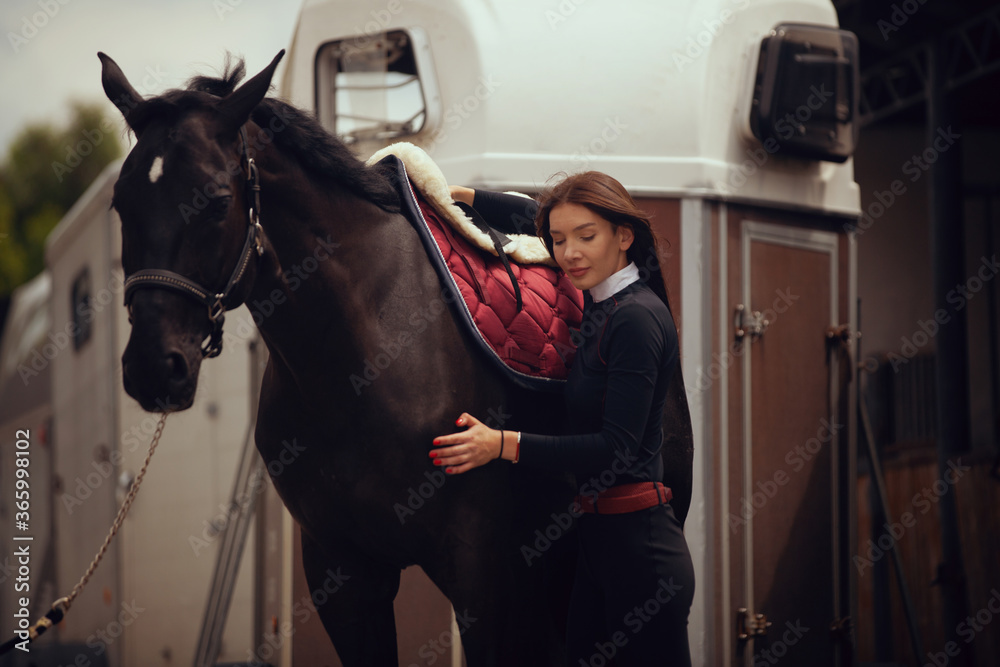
x: 430, y: 181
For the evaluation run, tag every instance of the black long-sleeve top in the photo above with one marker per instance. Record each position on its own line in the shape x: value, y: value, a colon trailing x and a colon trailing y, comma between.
x: 617, y: 385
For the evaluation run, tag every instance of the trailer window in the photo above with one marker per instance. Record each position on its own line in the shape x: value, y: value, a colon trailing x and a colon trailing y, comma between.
x: 81, y: 313
x: 372, y: 87
x: 806, y: 92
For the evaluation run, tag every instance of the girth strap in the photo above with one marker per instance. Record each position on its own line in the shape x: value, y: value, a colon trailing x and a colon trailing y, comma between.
x: 499, y: 241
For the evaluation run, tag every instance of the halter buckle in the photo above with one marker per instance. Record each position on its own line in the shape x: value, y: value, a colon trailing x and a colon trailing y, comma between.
x: 258, y: 233
x: 216, y: 310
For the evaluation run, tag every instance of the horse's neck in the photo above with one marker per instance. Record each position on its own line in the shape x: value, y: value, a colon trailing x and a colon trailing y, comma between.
x: 319, y: 282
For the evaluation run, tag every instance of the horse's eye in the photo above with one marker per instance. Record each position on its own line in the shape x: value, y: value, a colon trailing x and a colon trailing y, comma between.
x: 218, y: 208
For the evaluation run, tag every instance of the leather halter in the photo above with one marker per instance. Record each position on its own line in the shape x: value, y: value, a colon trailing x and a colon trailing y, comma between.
x: 214, y: 301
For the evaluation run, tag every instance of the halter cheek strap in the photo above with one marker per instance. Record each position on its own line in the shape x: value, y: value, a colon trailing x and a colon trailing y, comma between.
x: 214, y: 301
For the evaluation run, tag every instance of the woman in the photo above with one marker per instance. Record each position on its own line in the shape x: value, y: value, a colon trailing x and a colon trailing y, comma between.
x: 634, y: 579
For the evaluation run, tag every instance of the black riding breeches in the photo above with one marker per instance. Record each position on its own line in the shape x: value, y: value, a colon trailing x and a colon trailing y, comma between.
x: 633, y: 591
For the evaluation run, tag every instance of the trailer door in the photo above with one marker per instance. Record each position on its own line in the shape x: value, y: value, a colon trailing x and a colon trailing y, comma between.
x: 782, y: 516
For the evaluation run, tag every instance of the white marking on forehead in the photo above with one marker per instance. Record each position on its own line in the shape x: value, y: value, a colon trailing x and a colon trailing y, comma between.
x: 156, y: 170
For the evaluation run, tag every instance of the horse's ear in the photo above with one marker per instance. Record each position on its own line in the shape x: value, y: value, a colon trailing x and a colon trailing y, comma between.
x: 238, y: 105
x: 118, y: 89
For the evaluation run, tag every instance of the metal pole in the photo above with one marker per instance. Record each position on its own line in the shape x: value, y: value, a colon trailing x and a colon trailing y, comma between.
x: 878, y: 483
x: 951, y: 357
x: 994, y: 335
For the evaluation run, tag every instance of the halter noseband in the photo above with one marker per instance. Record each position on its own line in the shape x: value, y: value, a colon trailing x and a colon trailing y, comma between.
x: 164, y: 279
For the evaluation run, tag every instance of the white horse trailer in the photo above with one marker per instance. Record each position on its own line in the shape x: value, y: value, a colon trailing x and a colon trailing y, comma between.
x: 26, y: 420
x: 146, y: 601
x: 733, y: 122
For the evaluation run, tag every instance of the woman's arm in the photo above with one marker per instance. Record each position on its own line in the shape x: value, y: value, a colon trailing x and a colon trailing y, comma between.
x: 636, y: 349
x: 635, y: 352
x: 510, y: 214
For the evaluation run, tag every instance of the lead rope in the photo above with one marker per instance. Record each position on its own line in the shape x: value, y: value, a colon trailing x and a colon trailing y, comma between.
x: 62, y: 605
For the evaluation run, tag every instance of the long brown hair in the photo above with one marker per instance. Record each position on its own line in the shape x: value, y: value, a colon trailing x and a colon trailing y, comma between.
x: 608, y: 198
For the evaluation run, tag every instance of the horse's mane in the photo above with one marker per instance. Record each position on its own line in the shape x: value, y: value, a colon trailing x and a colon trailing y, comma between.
x: 301, y: 134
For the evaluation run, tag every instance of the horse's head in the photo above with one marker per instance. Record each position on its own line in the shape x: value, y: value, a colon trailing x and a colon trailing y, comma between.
x: 189, y: 238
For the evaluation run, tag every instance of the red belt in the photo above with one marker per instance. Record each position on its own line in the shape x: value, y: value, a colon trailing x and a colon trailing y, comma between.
x: 625, y: 498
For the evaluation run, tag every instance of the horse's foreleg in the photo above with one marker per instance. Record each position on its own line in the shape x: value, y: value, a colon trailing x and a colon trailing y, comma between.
x: 358, y: 616
x: 501, y: 616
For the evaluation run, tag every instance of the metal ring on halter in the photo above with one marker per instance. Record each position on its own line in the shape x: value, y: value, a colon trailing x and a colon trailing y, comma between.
x: 216, y: 310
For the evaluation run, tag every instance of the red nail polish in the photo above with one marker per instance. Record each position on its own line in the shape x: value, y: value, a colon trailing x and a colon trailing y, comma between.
x: 458, y: 422
x: 433, y: 454
x: 437, y: 441
x: 448, y: 470
x: 438, y: 462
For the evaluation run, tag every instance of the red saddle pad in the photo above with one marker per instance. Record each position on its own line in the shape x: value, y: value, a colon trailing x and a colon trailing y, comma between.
x: 535, y: 340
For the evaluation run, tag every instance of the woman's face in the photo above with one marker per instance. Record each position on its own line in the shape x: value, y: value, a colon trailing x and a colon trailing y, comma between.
x: 586, y: 246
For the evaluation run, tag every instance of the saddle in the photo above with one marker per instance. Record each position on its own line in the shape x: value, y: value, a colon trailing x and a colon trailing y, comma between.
x: 530, y: 344
x: 514, y: 304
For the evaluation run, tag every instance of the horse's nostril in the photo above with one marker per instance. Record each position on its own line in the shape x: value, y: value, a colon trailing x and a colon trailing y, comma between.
x: 177, y: 368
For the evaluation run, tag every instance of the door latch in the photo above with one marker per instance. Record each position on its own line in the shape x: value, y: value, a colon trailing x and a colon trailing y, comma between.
x: 750, y: 625
x: 749, y: 323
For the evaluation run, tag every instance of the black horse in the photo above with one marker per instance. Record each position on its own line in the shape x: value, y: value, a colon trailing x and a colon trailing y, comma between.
x: 339, y: 277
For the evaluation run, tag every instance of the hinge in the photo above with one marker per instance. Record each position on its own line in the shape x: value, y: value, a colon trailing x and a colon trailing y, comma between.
x: 841, y: 628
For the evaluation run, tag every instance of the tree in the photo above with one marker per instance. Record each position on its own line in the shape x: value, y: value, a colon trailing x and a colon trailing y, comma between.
x: 45, y: 171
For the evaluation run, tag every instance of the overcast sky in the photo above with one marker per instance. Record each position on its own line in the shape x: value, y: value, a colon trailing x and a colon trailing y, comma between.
x: 49, y: 52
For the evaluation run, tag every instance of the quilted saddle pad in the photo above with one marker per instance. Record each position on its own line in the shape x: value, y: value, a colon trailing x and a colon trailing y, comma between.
x: 532, y: 346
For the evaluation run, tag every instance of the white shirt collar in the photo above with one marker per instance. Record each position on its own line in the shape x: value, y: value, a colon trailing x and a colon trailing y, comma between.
x: 615, y: 282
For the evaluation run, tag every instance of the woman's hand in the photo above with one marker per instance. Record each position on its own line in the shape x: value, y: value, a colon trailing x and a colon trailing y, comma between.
x: 462, y: 194
x: 459, y: 452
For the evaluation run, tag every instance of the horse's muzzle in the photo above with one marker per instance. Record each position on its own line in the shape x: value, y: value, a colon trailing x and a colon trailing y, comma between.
x: 162, y: 380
